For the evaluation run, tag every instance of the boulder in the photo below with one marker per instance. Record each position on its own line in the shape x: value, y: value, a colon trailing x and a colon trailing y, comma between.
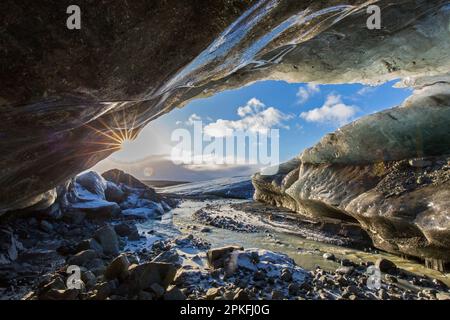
x: 88, y: 278
x: 74, y: 216
x: 144, y: 275
x: 90, y: 244
x: 96, y: 266
x: 107, y: 238
x: 152, y: 212
x: 169, y: 256
x: 82, y: 258
x: 130, y: 184
x: 247, y: 262
x: 54, y: 294
x: 113, y: 193
x: 92, y: 182
x: 98, y: 210
x: 88, y: 198
x: 386, y: 266
x: 219, y: 257
x: 174, y: 293
x: 135, y: 200
x: 9, y: 246
x: 104, y: 290
x: 119, y: 177
x: 128, y: 230
x: 213, y: 293
x: 57, y: 283
x: 118, y: 268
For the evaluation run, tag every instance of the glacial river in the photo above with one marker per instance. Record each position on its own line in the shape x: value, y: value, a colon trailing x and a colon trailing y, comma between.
x: 306, y: 253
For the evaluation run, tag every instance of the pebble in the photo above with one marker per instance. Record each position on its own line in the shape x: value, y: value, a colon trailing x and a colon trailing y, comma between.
x: 241, y: 294
x: 443, y: 296
x: 286, y: 275
x: 277, y: 295
x: 329, y: 256
x: 346, y: 263
x: 419, y: 163
x: 390, y: 278
x: 212, y: 293
x: 382, y: 295
x: 386, y: 266
x: 345, y: 270
x: 46, y: 226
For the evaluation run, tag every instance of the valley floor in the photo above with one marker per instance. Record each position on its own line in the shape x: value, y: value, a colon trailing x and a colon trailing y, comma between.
x: 203, y: 240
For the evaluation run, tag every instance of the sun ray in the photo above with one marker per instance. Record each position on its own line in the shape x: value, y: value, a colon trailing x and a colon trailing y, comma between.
x: 118, y: 132
x: 104, y: 134
x: 109, y: 128
x: 118, y: 126
x: 134, y: 132
x: 116, y: 137
x: 126, y: 130
x: 105, y: 143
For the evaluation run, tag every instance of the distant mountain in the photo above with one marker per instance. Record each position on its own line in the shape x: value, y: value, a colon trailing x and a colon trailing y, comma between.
x: 160, y: 167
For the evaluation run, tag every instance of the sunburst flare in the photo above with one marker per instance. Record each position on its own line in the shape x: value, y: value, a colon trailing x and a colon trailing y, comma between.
x: 116, y: 137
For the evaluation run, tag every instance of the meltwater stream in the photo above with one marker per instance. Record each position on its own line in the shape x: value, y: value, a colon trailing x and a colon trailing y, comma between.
x: 306, y: 253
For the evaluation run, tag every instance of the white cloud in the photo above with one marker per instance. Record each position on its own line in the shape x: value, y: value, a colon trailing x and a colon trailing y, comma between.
x: 252, y: 106
x: 255, y: 117
x: 333, y: 111
x: 194, y: 117
x: 304, y: 93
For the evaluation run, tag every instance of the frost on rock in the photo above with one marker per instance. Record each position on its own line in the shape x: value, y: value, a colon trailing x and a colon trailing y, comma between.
x: 142, y: 213
x: 88, y: 193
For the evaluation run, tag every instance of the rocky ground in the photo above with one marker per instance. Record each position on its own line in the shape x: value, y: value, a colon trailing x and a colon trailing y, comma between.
x: 213, y: 215
x: 39, y: 250
x: 326, y: 230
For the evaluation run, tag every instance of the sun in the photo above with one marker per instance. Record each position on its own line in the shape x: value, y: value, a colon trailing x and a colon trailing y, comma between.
x: 117, y: 138
x: 126, y: 145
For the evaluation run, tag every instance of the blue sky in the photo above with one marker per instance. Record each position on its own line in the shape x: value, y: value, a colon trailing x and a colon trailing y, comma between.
x: 303, y: 114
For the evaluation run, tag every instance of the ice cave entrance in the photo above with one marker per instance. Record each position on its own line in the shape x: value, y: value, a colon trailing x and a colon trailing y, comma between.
x: 302, y: 113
